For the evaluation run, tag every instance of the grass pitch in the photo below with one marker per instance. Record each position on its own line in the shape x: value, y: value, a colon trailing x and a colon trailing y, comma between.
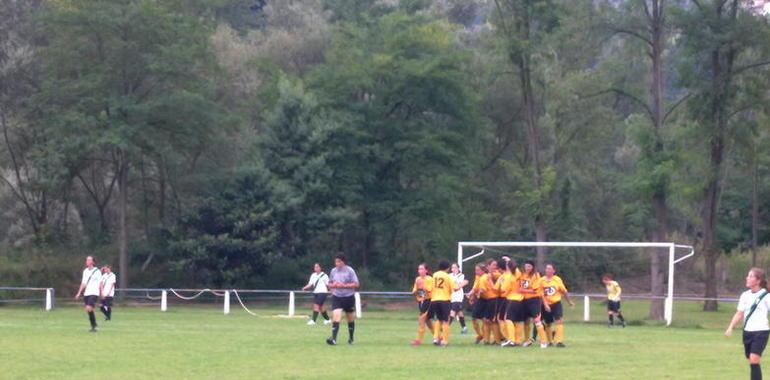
x: 201, y: 343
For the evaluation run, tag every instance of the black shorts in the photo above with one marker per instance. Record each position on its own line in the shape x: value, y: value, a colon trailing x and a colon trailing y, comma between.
x: 107, y: 301
x: 478, y: 308
x: 513, y: 311
x: 613, y: 306
x: 502, y: 308
x: 319, y: 298
x: 556, y: 313
x: 347, y: 304
x: 90, y: 300
x: 754, y: 342
x: 441, y: 310
x: 490, y: 308
x: 423, y: 306
x: 530, y: 308
x: 457, y: 306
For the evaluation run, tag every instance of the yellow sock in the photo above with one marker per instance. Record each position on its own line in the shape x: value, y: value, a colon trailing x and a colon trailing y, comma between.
x: 489, y: 332
x: 541, y: 333
x: 420, y: 333
x: 436, y: 330
x: 445, y: 333
x: 498, y: 334
x: 548, y: 332
x: 527, y: 331
x: 511, y: 328
x: 503, y: 330
x: 477, y: 327
x: 519, y: 332
x: 559, y: 333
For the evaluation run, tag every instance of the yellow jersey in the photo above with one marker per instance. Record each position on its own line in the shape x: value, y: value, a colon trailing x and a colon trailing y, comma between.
x: 443, y: 286
x: 553, y: 288
x: 427, y: 288
x: 509, y: 287
x: 613, y: 291
x: 487, y: 290
x: 530, y: 281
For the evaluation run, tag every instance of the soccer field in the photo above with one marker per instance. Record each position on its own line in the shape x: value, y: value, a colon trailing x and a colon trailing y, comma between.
x: 201, y: 343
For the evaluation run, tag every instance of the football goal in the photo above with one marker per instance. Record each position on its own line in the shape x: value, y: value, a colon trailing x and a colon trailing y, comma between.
x: 479, y: 249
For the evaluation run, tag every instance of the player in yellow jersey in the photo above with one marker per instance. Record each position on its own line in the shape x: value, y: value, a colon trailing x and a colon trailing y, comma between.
x: 509, y: 288
x: 490, y: 295
x: 443, y: 287
x: 613, y: 300
x: 529, y: 286
x: 422, y: 289
x: 474, y: 298
x: 502, y: 302
x: 553, y: 291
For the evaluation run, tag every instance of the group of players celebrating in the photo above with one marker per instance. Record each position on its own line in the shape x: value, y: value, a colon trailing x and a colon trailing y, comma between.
x: 506, y: 301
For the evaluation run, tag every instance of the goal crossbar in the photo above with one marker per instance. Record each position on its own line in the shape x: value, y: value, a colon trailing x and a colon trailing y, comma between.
x: 672, y: 259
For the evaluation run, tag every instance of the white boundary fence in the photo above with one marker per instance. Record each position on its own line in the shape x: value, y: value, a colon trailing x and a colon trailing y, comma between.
x: 291, y: 297
x: 48, y: 300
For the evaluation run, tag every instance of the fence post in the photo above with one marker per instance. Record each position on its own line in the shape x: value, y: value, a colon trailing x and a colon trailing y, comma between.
x: 586, y: 309
x: 163, y: 300
x: 291, y: 304
x: 357, y: 297
x: 227, y: 302
x: 49, y: 299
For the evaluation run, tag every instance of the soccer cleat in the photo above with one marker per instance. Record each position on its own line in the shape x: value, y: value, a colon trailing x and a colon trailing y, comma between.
x: 331, y: 342
x: 623, y: 324
x: 436, y: 342
x: 327, y: 322
x: 506, y: 343
x: 350, y: 342
x: 560, y: 345
x: 93, y: 329
x: 311, y: 323
x: 479, y: 339
x: 443, y: 344
x: 415, y: 343
x: 464, y: 330
x: 527, y: 343
x: 543, y: 345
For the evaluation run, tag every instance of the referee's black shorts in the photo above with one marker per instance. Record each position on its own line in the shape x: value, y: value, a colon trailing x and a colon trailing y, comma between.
x: 556, y: 313
x: 613, y: 306
x: 441, y: 310
x: 347, y: 304
x: 107, y: 301
x: 754, y: 342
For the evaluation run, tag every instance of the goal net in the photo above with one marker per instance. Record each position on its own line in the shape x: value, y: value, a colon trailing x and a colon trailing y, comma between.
x: 27, y: 296
x: 473, y: 251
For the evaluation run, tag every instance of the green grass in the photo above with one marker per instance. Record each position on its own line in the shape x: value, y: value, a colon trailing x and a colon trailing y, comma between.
x: 201, y: 343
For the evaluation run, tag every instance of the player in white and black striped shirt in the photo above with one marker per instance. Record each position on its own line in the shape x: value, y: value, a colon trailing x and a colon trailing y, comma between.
x: 107, y: 291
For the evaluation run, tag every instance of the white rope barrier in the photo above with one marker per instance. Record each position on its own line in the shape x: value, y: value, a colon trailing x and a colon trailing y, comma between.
x: 241, y: 302
x: 197, y: 295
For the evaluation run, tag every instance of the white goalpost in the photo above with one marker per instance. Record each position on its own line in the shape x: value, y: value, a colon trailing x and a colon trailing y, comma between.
x: 672, y: 259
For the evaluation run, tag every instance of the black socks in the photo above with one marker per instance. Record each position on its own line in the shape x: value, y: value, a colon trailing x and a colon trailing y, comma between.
x: 756, y: 372
x: 612, y: 319
x: 620, y: 316
x: 92, y: 318
x: 462, y: 322
x: 323, y: 314
x: 335, y: 329
x: 351, y: 329
x: 315, y: 316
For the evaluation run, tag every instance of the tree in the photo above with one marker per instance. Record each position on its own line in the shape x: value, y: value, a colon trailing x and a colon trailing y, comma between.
x: 122, y: 79
x: 724, y: 40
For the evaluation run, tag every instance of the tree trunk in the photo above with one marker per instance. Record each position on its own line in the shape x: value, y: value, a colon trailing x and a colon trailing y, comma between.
x: 754, y: 206
x: 122, y: 221
x: 541, y: 235
x: 657, y: 258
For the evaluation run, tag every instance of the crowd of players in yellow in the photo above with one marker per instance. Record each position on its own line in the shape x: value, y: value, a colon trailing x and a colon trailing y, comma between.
x: 506, y: 301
